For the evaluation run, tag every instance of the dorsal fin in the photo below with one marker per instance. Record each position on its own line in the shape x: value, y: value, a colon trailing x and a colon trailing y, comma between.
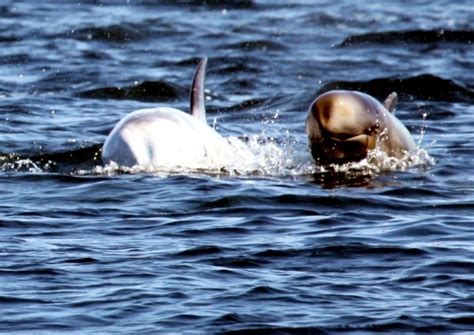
x: 391, y: 102
x: 198, y: 102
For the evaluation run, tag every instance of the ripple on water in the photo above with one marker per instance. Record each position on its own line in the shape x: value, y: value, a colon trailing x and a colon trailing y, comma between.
x: 269, y: 242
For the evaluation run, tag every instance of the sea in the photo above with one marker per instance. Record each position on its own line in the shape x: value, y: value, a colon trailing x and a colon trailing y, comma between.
x: 270, y: 243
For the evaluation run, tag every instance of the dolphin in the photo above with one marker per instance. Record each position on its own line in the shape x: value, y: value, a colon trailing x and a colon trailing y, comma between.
x: 167, y: 137
x: 343, y: 126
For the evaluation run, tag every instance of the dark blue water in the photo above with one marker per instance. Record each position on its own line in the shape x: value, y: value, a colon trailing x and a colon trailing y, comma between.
x: 272, y: 244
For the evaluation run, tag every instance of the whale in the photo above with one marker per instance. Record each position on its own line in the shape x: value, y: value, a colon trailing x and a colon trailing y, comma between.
x: 165, y: 137
x: 344, y: 126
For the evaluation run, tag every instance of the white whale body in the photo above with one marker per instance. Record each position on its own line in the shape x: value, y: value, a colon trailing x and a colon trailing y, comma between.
x: 168, y: 137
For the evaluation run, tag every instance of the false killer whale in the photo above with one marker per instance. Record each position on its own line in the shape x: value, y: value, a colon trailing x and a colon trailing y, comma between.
x: 167, y: 137
x: 343, y: 126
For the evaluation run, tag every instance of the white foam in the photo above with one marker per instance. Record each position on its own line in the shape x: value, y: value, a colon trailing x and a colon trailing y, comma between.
x: 21, y: 165
x: 259, y: 155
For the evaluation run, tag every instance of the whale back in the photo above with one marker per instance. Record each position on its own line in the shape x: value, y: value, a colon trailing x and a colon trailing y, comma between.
x: 198, y: 102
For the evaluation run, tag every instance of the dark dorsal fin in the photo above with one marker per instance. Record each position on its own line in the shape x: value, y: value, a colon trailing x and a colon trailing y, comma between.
x: 391, y: 102
x: 198, y: 102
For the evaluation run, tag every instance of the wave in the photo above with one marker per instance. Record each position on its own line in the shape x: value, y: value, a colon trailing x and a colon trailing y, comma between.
x: 215, y: 254
x: 62, y: 162
x: 238, y: 66
x: 247, y: 104
x: 256, y: 45
x: 116, y: 33
x: 411, y: 37
x: 149, y: 91
x: 232, y: 4
x: 9, y: 39
x: 421, y: 87
x: 16, y: 59
x: 5, y: 12
x: 404, y: 324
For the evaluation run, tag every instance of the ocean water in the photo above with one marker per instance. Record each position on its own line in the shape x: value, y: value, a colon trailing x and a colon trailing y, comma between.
x: 271, y: 243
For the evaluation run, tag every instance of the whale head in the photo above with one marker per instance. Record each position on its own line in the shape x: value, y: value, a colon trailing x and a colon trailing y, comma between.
x: 342, y: 126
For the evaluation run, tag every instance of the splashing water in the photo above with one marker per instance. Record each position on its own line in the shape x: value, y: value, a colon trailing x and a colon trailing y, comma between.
x: 17, y: 164
x: 256, y: 155
x: 378, y: 161
x: 259, y: 155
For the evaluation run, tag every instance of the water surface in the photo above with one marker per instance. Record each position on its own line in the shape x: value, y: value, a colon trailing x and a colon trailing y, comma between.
x: 271, y: 245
